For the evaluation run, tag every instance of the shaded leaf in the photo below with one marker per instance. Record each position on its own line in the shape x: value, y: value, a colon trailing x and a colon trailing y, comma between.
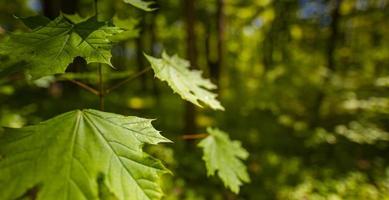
x: 187, y: 83
x: 224, y: 156
x: 51, y: 48
x: 81, y: 155
x: 34, y: 22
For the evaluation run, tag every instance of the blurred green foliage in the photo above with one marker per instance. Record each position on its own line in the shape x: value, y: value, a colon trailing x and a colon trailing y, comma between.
x: 305, y: 85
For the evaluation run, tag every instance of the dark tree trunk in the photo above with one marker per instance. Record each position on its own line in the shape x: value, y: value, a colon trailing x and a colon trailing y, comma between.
x: 52, y: 8
x: 277, y: 37
x: 139, y: 55
x: 333, y: 36
x: 190, y: 17
x: 69, y: 6
x: 215, y: 70
x: 153, y: 50
x: 211, y: 61
x: 332, y: 42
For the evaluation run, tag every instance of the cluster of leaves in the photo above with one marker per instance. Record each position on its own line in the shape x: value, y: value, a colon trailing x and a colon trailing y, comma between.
x: 90, y: 154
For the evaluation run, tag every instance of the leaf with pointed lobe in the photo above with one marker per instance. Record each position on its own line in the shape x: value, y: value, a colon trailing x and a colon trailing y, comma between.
x: 81, y: 155
x: 224, y: 157
x: 141, y: 4
x: 189, y: 84
x: 50, y: 47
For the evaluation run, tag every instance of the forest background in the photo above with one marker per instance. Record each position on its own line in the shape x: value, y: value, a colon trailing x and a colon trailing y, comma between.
x: 305, y: 84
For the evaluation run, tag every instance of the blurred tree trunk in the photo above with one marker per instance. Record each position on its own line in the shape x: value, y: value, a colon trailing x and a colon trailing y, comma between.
x: 215, y: 70
x: 332, y: 40
x: 208, y: 46
x: 153, y: 49
x: 52, y: 8
x: 268, y: 45
x: 69, y: 6
x: 190, y: 18
x: 277, y: 37
x: 330, y: 54
x: 139, y: 54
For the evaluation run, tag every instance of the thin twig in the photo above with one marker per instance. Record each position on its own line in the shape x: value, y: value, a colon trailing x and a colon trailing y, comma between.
x: 195, y: 136
x: 130, y: 78
x: 84, y: 86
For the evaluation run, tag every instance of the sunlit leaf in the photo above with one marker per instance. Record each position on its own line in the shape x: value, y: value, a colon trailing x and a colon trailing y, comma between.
x: 81, y: 155
x: 224, y: 156
x: 141, y: 4
x: 362, y: 133
x: 187, y: 83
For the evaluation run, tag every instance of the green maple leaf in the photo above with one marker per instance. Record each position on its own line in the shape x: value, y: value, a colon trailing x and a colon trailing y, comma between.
x: 141, y: 4
x: 80, y: 155
x: 52, y: 45
x: 224, y: 156
x: 187, y: 83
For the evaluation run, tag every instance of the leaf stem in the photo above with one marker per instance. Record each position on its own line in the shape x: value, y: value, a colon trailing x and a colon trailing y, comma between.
x: 195, y: 136
x: 130, y: 78
x: 85, y: 86
x: 101, y: 87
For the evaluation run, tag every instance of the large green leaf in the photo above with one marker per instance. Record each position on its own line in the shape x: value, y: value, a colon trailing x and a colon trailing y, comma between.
x: 52, y: 45
x: 141, y: 4
x: 81, y: 154
x: 187, y: 83
x: 224, y: 156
